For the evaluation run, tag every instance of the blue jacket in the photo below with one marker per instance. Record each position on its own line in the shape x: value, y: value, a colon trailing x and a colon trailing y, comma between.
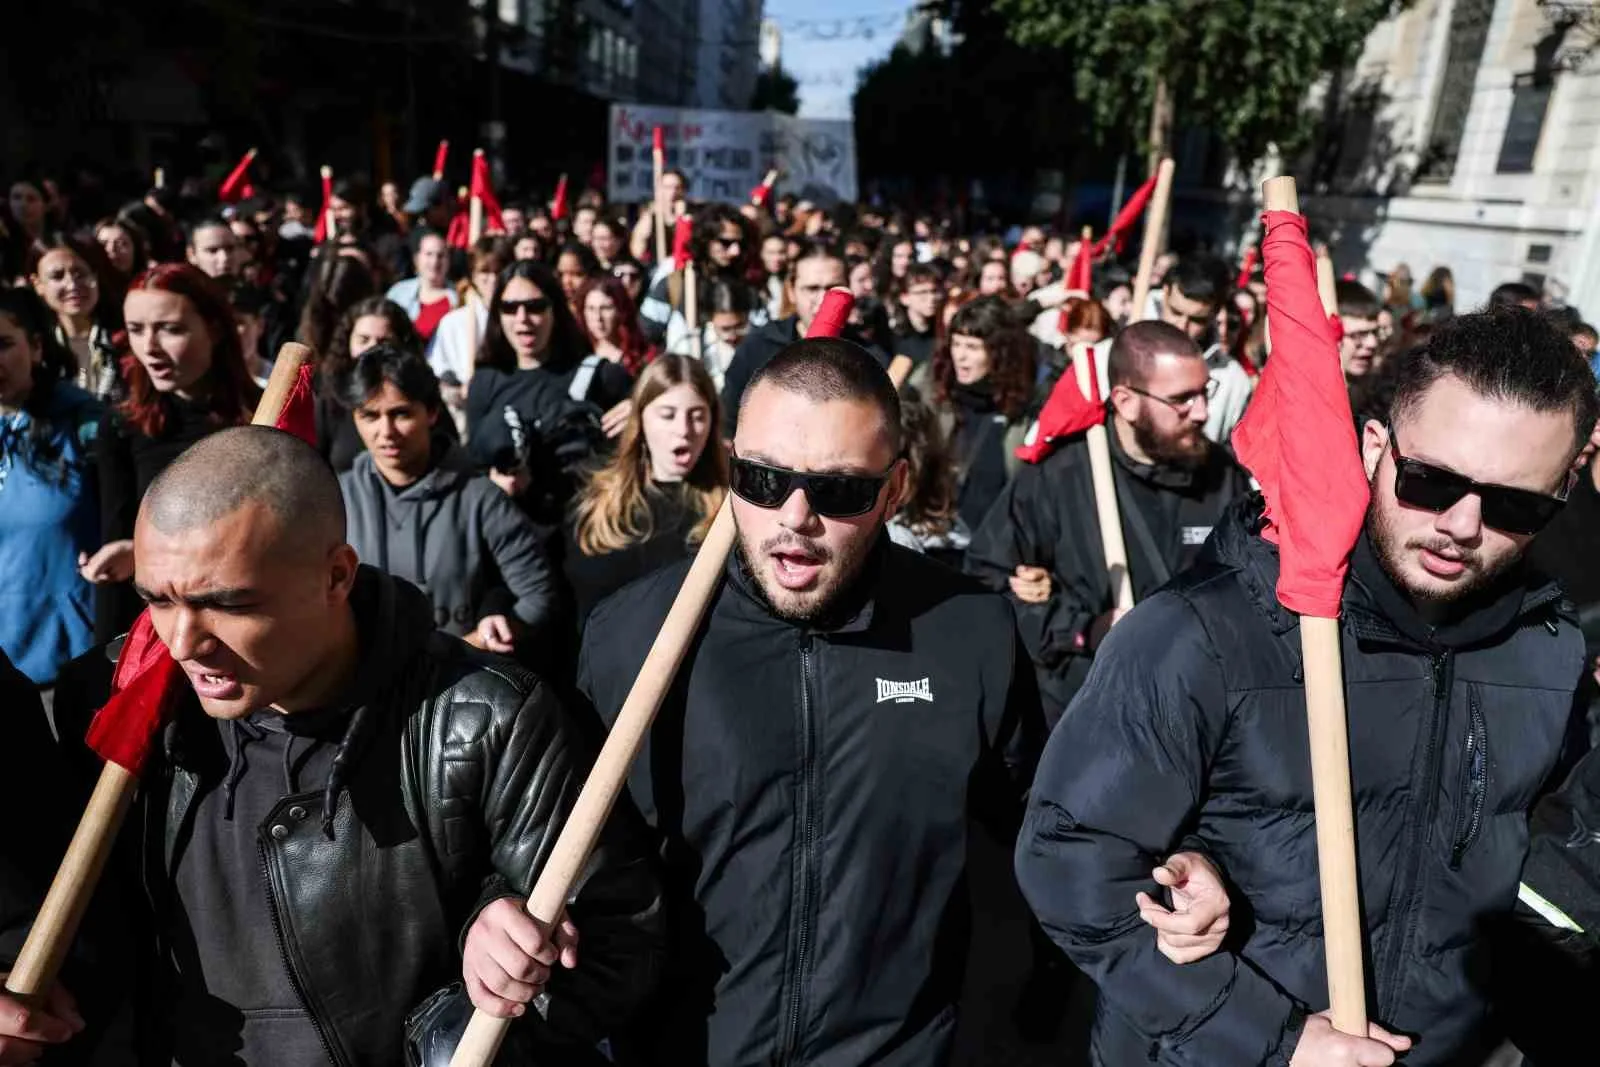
x: 49, y: 512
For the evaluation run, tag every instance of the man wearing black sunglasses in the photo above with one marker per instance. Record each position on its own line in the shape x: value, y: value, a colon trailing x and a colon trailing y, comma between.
x: 846, y: 708
x: 1459, y: 664
x: 1041, y: 543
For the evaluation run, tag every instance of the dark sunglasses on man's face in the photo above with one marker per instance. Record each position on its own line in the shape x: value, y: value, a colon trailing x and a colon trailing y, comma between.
x: 1515, y: 511
x: 537, y: 305
x: 836, y: 496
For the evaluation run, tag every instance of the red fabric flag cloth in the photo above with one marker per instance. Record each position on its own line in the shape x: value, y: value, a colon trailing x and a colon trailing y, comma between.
x: 558, y: 203
x: 1067, y: 412
x: 492, y: 220
x: 833, y: 314
x: 321, y: 234
x: 236, y: 186
x: 441, y: 156
x: 682, y: 232
x: 761, y: 194
x: 1298, y: 437
x: 455, y: 235
x: 1248, y: 267
x: 147, y: 679
x: 1123, y: 224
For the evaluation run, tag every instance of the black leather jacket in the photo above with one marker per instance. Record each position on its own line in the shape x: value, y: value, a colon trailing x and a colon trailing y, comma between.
x: 459, y: 773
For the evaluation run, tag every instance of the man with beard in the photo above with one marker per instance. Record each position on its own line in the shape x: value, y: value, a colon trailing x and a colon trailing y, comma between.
x: 846, y: 707
x: 1041, y: 541
x: 1459, y: 665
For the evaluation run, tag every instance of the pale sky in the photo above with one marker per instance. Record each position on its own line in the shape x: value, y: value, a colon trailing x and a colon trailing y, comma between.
x: 827, y: 69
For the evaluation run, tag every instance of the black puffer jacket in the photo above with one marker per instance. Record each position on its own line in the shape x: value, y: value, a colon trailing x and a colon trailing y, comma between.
x: 1046, y: 518
x: 1191, y: 731
x: 461, y: 770
x: 811, y: 789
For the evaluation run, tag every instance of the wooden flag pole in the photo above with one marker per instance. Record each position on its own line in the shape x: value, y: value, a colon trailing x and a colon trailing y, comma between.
x: 900, y: 368
x: 1154, y: 224
x: 1105, y: 491
x: 691, y: 310
x: 330, y: 224
x: 53, y: 929
x: 1330, y: 778
x: 475, y: 204
x: 658, y: 160
x: 161, y: 177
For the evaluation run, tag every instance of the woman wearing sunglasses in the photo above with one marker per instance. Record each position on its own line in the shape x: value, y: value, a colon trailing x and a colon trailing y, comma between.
x: 980, y: 382
x: 540, y: 406
x: 651, y: 504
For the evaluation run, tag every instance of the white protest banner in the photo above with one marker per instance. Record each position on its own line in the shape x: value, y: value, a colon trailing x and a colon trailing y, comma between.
x: 725, y: 154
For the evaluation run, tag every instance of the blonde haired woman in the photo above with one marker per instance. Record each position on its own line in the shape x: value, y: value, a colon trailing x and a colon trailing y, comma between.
x: 652, y: 503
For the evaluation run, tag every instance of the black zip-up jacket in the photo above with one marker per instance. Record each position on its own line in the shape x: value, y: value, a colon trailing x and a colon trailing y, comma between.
x: 1191, y: 732
x: 460, y: 768
x: 811, y: 790
x: 1046, y: 518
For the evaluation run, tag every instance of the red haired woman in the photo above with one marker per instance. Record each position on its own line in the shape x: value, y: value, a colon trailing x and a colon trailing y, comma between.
x: 612, y: 325
x: 184, y: 376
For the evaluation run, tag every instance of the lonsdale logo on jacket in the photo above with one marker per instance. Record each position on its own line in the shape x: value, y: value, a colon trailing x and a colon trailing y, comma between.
x: 904, y: 692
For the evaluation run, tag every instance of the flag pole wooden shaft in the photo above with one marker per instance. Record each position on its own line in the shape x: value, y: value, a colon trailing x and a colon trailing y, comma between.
x: 1154, y: 223
x: 659, y: 164
x: 54, y: 927
x: 1105, y: 491
x: 1330, y: 774
x: 900, y: 368
x: 691, y: 310
x: 484, y: 1033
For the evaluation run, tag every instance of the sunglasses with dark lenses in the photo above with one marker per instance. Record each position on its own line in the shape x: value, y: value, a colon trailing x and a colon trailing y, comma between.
x: 1515, y: 511
x: 837, y: 496
x: 535, y: 306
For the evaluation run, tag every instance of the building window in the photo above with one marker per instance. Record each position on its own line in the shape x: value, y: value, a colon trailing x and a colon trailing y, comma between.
x: 1469, y: 30
x: 1530, y: 100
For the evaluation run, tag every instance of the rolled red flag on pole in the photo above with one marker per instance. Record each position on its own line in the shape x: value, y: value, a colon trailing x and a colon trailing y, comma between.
x: 1298, y: 440
x: 456, y: 235
x: 570, y: 854
x: 763, y: 192
x: 1067, y: 412
x: 1126, y: 219
x: 1248, y: 266
x: 325, y: 215
x: 1081, y: 276
x: 236, y: 186
x: 682, y: 236
x: 558, y: 203
x: 144, y: 686
x: 441, y: 156
x: 481, y: 193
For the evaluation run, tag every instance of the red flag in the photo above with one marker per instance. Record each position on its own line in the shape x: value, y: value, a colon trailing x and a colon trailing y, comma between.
x: 327, y: 205
x: 558, y: 204
x: 147, y: 680
x: 441, y: 156
x: 1081, y: 276
x: 833, y: 314
x: 1248, y: 267
x: 457, y: 233
x: 658, y: 141
x: 1066, y: 412
x: 682, y: 233
x: 485, y: 194
x: 1298, y: 437
x: 1123, y: 224
x: 236, y: 186
x: 761, y: 194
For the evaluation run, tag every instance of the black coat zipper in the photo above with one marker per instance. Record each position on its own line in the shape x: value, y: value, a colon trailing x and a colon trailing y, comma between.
x: 283, y: 954
x: 1474, y: 789
x: 1403, y: 921
x: 805, y: 799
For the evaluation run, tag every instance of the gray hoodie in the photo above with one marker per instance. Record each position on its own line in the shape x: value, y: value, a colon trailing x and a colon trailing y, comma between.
x: 454, y: 535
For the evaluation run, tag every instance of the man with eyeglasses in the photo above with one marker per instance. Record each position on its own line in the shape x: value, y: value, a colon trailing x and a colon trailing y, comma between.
x: 1459, y: 661
x: 1358, y: 316
x: 847, y: 706
x: 1041, y: 540
x: 920, y: 297
x: 1193, y: 292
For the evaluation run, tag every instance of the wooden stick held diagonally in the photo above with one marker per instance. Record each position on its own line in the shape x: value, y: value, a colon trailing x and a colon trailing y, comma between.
x: 54, y: 927
x: 485, y: 1033
x: 1154, y: 222
x: 1105, y: 491
x: 1330, y: 773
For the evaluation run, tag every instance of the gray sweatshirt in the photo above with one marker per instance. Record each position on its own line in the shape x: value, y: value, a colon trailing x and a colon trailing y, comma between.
x: 454, y: 535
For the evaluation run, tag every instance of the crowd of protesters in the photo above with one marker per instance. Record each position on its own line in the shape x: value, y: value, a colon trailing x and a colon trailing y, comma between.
x: 523, y: 425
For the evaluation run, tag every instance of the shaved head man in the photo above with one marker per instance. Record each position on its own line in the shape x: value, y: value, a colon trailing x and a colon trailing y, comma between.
x: 239, y: 552
x: 354, y: 789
